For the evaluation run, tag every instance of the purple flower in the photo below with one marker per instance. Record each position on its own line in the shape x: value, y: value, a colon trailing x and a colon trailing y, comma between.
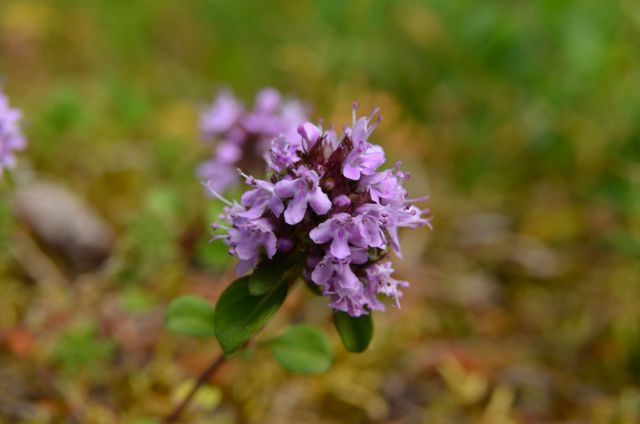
x: 247, y: 236
x: 384, y: 187
x: 341, y: 201
x: 364, y: 159
x: 11, y: 138
x: 222, y: 115
x: 330, y: 267
x: 272, y: 116
x: 268, y: 100
x: 391, y: 218
x: 338, y: 280
x: 310, y: 134
x: 283, y: 153
x: 327, y: 200
x: 362, y: 129
x: 260, y: 198
x: 379, y: 279
x: 243, y: 137
x: 372, y: 229
x: 341, y: 230
x: 292, y: 113
x: 304, y: 190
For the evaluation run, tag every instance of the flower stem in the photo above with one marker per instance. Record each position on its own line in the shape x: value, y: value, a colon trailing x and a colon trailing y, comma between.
x: 203, y: 378
x: 206, y: 375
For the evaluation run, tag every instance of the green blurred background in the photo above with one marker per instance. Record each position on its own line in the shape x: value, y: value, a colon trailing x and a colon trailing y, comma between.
x: 520, y: 118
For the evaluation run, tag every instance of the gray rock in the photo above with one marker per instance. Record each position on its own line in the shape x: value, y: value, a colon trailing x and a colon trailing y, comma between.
x: 65, y: 222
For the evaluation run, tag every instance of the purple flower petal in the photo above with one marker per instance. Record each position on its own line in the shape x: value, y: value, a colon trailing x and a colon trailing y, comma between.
x: 340, y: 247
x: 310, y: 133
x: 11, y: 138
x: 322, y: 233
x: 304, y: 190
x: 296, y: 209
x: 222, y: 115
x: 319, y: 201
x: 285, y: 188
x: 268, y: 100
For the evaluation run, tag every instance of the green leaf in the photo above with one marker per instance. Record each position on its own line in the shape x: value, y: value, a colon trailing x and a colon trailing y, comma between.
x: 355, y: 332
x: 303, y: 349
x: 272, y: 272
x: 190, y: 315
x: 240, y: 315
x: 263, y: 278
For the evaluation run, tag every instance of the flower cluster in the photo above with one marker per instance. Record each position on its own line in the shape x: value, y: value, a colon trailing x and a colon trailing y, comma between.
x: 11, y: 138
x: 243, y: 135
x: 327, y: 199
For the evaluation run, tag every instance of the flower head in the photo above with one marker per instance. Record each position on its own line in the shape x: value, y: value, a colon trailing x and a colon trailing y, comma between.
x: 327, y: 201
x: 244, y: 137
x: 11, y: 138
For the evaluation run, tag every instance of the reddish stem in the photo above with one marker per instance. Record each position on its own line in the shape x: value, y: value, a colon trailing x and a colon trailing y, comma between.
x: 203, y: 378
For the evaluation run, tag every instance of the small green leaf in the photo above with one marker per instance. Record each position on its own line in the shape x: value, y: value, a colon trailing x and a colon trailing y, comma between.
x: 303, y: 349
x: 190, y: 315
x: 240, y: 315
x: 355, y: 332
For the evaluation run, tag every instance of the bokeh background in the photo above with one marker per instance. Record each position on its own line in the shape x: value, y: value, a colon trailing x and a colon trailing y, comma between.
x: 520, y: 118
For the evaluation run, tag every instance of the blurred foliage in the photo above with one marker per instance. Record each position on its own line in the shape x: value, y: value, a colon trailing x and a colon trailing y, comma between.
x: 522, y: 119
x: 79, y: 348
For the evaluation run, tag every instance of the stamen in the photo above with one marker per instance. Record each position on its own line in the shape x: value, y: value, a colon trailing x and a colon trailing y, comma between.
x: 418, y: 199
x: 217, y: 226
x: 374, y: 112
x: 354, y: 107
x: 249, y: 179
x: 216, y: 194
x: 371, y: 127
x: 218, y: 237
x: 395, y: 295
x: 404, y: 175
